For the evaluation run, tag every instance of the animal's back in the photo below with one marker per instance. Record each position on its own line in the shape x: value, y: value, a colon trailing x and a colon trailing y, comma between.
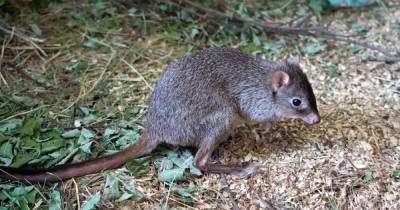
x: 193, y: 90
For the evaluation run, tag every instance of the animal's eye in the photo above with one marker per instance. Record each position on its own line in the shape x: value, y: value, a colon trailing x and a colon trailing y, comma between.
x: 296, y: 102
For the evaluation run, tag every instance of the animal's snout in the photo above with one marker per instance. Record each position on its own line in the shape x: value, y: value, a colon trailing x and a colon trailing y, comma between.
x: 312, y: 118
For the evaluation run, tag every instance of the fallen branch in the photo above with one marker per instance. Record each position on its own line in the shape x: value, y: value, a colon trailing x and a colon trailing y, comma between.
x: 273, y: 28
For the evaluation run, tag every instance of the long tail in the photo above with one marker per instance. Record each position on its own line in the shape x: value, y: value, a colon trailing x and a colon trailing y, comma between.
x: 141, y: 147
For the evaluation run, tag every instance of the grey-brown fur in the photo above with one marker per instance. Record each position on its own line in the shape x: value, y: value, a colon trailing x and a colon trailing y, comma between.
x: 199, y: 100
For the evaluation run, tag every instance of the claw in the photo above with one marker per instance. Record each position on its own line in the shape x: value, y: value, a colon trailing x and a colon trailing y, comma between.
x: 245, y: 171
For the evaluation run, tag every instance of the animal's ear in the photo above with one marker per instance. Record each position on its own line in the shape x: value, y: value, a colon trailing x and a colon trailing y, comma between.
x: 279, y: 80
x: 294, y: 60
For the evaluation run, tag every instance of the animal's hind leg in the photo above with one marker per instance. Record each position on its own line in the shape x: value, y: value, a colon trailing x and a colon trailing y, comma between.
x: 205, y: 151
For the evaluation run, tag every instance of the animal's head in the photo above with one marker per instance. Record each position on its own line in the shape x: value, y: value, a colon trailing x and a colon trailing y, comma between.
x: 292, y: 92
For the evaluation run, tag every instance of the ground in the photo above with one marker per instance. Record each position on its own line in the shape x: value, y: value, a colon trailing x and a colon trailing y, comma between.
x: 93, y: 65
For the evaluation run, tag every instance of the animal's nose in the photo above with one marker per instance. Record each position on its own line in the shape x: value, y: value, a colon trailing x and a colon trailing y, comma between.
x: 312, y: 118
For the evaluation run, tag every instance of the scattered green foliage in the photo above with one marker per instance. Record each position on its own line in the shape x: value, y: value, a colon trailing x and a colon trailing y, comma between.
x: 171, y: 175
x: 332, y: 204
x: 174, y: 165
x: 20, y: 196
x: 368, y: 176
x: 55, y: 201
x: 92, y: 202
x: 138, y: 166
x: 333, y: 70
x: 313, y: 48
x: 396, y: 174
x: 357, y: 185
x: 35, y: 28
x: 358, y: 27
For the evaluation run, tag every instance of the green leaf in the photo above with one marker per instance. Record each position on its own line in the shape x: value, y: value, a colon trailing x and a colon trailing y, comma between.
x: 171, y: 175
x: 354, y: 49
x: 396, y: 174
x: 358, y: 27
x: 333, y: 70
x: 6, y: 186
x: 133, y: 193
x: 92, y: 202
x: 313, y: 48
x: 132, y: 10
x: 332, y: 204
x: 6, y: 161
x: 163, y: 7
x: 270, y: 49
x: 86, y: 147
x: 242, y: 9
x: 85, y: 136
x: 21, y: 190
x: 90, y: 43
x: 195, y: 171
x: 186, y: 192
x: 75, y: 66
x: 29, y: 126
x: 357, y: 185
x: 110, y: 134
x: 194, y: 32
x: 4, y: 138
x: 10, y: 125
x: 55, y: 200
x: 25, y: 100
x: 183, y: 192
x: 31, y: 197
x: 256, y: 41
x: 35, y: 28
x: 98, y: 8
x: 317, y: 7
x: 22, y: 158
x: 126, y: 196
x: 138, y: 166
x: 22, y: 203
x: 111, y: 188
x: 368, y: 176
x: 51, y: 145
x: 86, y: 111
x: 128, y: 138
x: 6, y: 150
x: 71, y: 133
x: 88, y: 119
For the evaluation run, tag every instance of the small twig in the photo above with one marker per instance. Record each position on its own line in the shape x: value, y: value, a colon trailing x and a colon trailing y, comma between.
x: 5, y: 44
x: 30, y: 40
x: 22, y: 113
x: 226, y: 187
x: 266, y: 204
x: 140, y: 75
x: 272, y: 28
x: 77, y: 194
x: 283, y: 7
x: 183, y: 204
x: 52, y: 57
x: 1, y: 61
